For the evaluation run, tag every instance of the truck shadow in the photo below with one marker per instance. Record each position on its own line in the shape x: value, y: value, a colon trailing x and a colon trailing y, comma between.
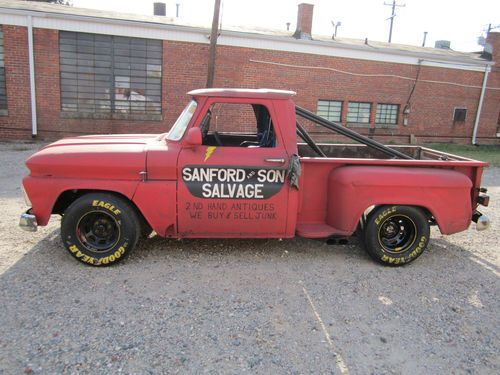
x: 156, y: 245
x: 170, y: 286
x: 49, y: 253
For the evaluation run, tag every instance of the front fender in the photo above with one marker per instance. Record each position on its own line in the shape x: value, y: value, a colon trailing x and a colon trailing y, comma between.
x: 44, y: 191
x: 445, y: 193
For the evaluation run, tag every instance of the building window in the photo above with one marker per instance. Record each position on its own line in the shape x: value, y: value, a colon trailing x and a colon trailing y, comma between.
x: 330, y: 110
x: 109, y: 76
x: 387, y: 114
x: 3, y: 89
x: 459, y: 114
x: 358, y: 112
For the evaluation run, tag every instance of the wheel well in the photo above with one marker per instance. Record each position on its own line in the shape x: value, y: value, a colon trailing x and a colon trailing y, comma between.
x: 369, y: 209
x: 69, y: 196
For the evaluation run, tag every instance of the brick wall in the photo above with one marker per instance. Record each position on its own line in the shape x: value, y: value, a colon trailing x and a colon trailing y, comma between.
x: 184, y: 69
x: 50, y: 123
x: 490, y: 116
x: 432, y: 105
x: 17, y: 124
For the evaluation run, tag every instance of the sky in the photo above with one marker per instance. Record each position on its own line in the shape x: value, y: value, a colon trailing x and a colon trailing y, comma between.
x: 458, y: 21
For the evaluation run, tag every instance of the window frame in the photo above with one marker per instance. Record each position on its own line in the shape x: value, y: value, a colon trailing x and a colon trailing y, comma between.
x: 177, y: 131
x: 357, y: 116
x: 378, y: 122
x: 238, y: 101
x: 330, y: 101
x: 110, y: 76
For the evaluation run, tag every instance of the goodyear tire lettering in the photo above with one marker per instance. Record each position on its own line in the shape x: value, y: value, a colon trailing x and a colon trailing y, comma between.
x: 118, y: 214
x: 420, y: 247
x: 396, y: 251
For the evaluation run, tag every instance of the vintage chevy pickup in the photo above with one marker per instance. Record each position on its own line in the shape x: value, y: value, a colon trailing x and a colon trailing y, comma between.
x: 232, y: 166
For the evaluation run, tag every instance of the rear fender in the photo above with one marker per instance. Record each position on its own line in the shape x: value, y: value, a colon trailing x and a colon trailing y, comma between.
x: 446, y: 194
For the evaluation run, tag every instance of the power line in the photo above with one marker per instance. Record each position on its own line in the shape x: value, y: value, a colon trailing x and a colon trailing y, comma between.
x: 371, y: 75
x: 393, y: 5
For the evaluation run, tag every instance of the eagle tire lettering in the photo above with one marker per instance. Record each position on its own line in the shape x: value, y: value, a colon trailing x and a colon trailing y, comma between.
x: 100, y: 229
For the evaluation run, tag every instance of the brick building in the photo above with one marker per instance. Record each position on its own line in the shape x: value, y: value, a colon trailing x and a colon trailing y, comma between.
x: 70, y: 71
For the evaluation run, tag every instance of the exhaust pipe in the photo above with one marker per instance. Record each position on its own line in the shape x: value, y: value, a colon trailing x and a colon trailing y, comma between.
x: 482, y: 221
x: 334, y: 241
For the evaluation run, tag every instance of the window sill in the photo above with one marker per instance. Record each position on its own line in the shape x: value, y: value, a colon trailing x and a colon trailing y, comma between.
x: 111, y: 116
x: 358, y: 125
x: 4, y: 112
x: 386, y: 126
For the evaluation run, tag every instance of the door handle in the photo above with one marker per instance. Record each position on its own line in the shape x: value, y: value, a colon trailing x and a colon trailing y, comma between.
x: 275, y: 160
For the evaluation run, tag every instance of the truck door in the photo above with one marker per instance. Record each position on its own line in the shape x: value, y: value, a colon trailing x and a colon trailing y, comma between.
x: 235, y: 184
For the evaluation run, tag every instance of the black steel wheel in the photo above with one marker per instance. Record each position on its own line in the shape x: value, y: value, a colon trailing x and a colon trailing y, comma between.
x: 396, y: 235
x: 100, y: 229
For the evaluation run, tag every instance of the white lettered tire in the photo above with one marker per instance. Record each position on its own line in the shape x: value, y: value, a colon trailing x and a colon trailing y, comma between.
x: 396, y: 235
x: 100, y: 229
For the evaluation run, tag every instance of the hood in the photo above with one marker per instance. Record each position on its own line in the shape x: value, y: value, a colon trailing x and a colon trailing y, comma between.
x: 93, y: 157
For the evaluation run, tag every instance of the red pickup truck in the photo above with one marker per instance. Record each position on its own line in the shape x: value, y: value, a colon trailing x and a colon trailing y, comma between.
x: 204, y: 179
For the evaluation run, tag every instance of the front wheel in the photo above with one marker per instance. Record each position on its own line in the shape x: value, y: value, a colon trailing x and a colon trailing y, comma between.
x: 100, y: 229
x: 396, y: 235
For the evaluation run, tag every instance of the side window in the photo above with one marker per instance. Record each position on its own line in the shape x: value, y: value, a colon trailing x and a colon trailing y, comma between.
x: 238, y: 125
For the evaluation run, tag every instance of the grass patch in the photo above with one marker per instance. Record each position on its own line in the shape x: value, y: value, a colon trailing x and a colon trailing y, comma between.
x: 488, y: 153
x: 21, y: 148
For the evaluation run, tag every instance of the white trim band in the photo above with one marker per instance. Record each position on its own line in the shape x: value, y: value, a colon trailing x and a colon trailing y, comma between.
x: 152, y: 30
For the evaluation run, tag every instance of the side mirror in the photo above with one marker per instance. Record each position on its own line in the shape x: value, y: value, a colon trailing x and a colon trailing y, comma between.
x: 193, y: 137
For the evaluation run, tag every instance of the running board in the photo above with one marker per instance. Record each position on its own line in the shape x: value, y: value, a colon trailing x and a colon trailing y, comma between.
x: 318, y: 230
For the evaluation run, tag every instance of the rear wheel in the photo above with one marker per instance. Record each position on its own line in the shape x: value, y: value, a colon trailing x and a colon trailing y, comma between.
x: 396, y: 235
x: 100, y: 229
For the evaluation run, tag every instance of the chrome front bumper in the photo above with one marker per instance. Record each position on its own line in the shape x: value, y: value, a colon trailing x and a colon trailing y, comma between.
x: 28, y: 221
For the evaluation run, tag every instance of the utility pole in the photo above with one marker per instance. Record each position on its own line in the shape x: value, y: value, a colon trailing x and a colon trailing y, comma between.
x: 213, y: 45
x: 393, y: 5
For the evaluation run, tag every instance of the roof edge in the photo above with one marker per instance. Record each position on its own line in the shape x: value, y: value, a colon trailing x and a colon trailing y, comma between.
x: 435, y: 57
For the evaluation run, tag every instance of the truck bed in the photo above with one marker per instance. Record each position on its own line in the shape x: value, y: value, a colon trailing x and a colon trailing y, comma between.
x: 358, y: 151
x: 316, y: 218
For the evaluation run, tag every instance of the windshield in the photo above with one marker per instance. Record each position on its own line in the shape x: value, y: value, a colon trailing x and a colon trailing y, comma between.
x: 182, y: 122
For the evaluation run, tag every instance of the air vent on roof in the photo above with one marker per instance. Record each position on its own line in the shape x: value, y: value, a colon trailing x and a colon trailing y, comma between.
x: 160, y: 9
x: 442, y: 44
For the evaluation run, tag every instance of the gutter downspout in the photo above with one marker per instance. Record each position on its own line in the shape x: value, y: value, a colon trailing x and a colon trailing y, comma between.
x: 480, y: 105
x: 34, y: 129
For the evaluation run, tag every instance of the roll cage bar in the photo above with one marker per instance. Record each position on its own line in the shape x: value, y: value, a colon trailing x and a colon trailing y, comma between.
x: 338, y: 128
